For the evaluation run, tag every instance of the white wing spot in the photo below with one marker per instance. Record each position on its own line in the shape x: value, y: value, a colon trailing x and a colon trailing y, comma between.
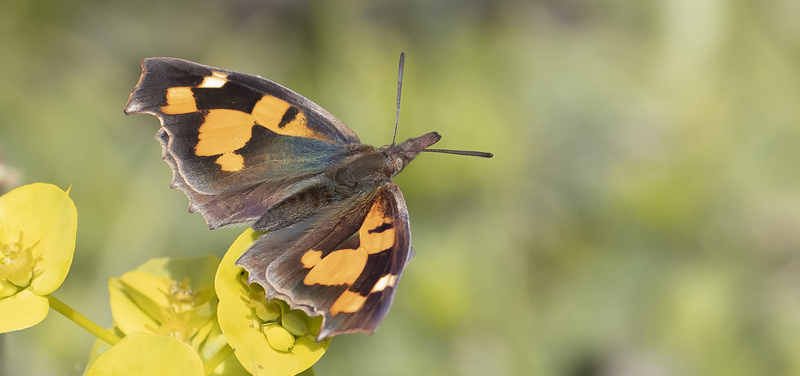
x: 215, y: 80
x: 386, y: 280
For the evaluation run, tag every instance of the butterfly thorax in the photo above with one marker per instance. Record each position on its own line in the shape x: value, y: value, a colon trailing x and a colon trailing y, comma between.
x: 373, y: 167
x: 362, y: 173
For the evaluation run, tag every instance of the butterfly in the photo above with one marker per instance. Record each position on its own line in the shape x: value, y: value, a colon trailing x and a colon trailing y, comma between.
x: 245, y: 149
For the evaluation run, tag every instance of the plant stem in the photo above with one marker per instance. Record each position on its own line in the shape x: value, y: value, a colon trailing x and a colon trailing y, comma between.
x: 99, y: 332
x: 214, y: 362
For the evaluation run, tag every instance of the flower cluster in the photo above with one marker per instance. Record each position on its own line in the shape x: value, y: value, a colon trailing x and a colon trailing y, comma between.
x: 192, y: 316
x: 264, y: 334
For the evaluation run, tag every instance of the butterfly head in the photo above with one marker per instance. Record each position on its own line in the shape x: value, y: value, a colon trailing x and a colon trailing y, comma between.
x: 400, y: 155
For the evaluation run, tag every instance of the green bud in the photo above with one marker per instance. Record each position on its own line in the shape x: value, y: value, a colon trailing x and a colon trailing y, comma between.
x: 278, y: 337
x: 295, y: 323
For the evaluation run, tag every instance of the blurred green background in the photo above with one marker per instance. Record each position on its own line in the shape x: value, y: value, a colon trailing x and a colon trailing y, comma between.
x: 641, y: 215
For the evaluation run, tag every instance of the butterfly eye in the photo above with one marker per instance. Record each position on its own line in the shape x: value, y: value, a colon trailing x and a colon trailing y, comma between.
x: 398, y: 164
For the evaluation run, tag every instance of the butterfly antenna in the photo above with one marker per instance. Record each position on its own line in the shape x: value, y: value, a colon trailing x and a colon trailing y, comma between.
x: 399, y: 90
x: 461, y: 152
x: 397, y: 119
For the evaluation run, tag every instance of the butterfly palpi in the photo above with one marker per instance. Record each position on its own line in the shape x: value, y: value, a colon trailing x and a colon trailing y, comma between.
x: 246, y: 149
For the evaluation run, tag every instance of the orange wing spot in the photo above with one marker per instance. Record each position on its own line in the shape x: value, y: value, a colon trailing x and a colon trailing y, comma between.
x: 230, y: 162
x: 215, y: 80
x: 269, y: 112
x: 348, y: 302
x: 376, y: 242
x: 344, y: 266
x: 340, y: 267
x: 311, y: 258
x: 224, y: 131
x: 180, y: 100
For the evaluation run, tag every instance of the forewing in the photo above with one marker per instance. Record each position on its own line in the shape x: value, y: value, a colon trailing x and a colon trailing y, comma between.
x: 229, y: 135
x: 343, y: 263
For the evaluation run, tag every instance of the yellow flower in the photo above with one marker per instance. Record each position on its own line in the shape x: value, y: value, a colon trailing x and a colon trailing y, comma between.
x: 148, y: 354
x: 267, y: 337
x: 167, y: 297
x: 38, y: 223
x: 170, y: 305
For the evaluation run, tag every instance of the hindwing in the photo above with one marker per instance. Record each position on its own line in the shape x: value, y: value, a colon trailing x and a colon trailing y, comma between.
x: 343, y: 263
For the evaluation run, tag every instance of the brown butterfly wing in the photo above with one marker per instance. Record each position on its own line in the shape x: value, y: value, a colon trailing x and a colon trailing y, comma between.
x: 343, y: 263
x: 237, y: 143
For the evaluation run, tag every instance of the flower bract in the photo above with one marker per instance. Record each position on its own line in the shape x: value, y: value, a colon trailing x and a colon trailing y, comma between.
x: 38, y: 224
x: 173, y: 299
x: 267, y: 337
